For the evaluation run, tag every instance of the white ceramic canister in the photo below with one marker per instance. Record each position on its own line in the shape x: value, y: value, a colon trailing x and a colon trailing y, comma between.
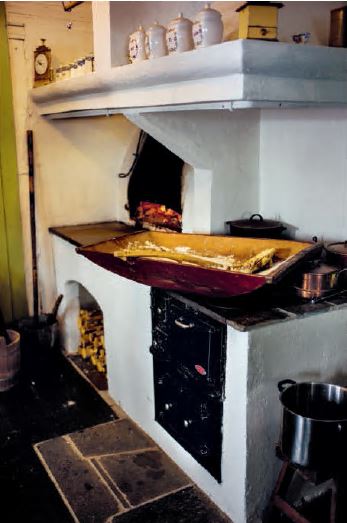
x: 208, y: 27
x: 156, y: 41
x: 137, y: 49
x: 179, y: 35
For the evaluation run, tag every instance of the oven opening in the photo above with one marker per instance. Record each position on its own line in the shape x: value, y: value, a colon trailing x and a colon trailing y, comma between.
x: 155, y: 186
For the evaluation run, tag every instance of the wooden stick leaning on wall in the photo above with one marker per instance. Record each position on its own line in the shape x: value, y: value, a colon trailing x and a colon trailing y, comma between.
x: 30, y: 147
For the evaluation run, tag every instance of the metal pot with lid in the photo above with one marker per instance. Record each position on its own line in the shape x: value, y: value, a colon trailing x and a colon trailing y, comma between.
x: 317, y: 279
x: 256, y: 227
x: 336, y: 253
x: 314, y: 424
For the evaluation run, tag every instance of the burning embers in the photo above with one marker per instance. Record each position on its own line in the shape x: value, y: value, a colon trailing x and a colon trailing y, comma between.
x: 155, y: 186
x: 91, y: 326
x: 154, y: 215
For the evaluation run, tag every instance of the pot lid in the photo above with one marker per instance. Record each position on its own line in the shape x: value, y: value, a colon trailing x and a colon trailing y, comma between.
x: 256, y: 221
x: 322, y: 268
x: 338, y: 247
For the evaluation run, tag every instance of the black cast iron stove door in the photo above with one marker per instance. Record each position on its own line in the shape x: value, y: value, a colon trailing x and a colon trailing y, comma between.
x: 189, y: 372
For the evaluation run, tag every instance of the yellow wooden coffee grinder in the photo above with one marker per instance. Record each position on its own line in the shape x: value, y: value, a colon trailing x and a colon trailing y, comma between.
x: 259, y: 20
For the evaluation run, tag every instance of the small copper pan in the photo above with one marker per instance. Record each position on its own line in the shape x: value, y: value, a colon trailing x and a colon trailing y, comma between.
x: 318, y: 280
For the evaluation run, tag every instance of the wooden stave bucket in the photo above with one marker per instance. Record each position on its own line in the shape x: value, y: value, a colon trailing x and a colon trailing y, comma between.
x: 10, y: 361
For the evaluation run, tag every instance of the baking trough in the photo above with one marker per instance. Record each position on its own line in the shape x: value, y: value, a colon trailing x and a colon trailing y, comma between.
x: 181, y: 276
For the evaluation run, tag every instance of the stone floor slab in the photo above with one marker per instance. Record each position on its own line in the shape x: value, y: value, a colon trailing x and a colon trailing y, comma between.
x: 186, y: 506
x: 145, y: 475
x: 110, y: 438
x: 88, y: 498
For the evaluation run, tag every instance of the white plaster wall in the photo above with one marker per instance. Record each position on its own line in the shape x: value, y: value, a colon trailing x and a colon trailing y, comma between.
x: 27, y: 23
x: 76, y: 161
x: 303, y: 167
x: 224, y: 143
x: 314, y: 17
x: 309, y: 349
x: 101, y: 35
x: 234, y: 459
x: 49, y: 20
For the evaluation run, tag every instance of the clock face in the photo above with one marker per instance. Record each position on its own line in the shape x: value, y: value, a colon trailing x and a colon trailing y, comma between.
x: 41, y: 64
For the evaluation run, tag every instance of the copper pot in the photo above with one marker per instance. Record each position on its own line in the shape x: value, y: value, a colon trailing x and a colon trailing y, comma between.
x: 317, y: 280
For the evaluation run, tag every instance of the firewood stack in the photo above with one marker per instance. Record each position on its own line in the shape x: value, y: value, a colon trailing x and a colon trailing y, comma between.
x: 91, y: 326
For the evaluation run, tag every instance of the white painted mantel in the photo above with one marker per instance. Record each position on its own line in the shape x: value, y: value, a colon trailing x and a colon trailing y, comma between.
x: 231, y: 75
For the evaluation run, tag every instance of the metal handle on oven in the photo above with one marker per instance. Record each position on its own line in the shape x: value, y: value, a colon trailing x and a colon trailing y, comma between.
x: 184, y: 325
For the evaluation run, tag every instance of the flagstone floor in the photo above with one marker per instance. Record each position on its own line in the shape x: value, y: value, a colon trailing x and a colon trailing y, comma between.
x: 66, y: 455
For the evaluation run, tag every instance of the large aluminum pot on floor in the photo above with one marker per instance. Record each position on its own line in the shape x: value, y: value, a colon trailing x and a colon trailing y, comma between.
x: 314, y: 424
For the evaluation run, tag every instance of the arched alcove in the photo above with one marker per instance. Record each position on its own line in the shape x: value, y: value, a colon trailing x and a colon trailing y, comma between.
x: 83, y: 333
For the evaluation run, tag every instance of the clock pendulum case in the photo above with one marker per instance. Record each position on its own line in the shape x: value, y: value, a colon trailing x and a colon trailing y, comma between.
x: 42, y: 64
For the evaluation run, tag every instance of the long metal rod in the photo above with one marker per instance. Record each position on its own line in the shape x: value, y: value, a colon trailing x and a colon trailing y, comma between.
x: 30, y: 148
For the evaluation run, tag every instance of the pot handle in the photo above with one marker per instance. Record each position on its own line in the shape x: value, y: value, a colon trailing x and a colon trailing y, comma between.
x: 261, y: 219
x: 284, y: 384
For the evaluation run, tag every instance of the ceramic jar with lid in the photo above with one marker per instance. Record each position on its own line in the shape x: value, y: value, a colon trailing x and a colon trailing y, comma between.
x: 137, y: 50
x: 156, y: 41
x: 208, y: 27
x: 179, y: 36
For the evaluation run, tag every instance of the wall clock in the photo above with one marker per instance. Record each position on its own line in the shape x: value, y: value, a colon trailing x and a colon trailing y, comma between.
x: 42, y: 64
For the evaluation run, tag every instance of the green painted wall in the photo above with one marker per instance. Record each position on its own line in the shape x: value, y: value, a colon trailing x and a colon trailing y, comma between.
x: 12, y: 276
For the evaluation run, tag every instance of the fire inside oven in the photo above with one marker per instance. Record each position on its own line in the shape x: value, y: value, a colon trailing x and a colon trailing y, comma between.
x: 155, y: 186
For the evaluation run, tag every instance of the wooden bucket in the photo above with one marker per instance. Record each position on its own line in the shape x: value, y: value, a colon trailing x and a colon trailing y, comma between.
x: 9, y: 361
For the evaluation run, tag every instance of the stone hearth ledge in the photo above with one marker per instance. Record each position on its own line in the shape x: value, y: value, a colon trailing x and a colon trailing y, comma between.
x: 244, y: 73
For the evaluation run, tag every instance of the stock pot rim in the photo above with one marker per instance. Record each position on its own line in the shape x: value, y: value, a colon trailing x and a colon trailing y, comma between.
x: 311, y: 383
